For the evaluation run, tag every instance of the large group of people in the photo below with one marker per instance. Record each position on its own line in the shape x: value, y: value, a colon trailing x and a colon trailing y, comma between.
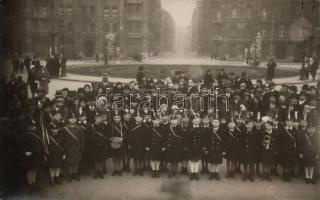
x: 253, y: 126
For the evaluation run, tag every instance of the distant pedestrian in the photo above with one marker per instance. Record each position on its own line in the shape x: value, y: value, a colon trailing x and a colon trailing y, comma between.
x: 313, y: 67
x: 43, y: 77
x: 141, y: 75
x: 270, y: 70
x: 32, y: 77
x: 27, y: 63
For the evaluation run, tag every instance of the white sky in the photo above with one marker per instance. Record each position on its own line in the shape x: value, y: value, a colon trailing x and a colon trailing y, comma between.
x: 181, y: 11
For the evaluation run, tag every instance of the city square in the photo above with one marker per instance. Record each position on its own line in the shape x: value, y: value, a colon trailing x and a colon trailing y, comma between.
x: 247, y: 127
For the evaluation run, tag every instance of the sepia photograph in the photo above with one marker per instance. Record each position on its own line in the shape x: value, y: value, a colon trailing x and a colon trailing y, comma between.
x: 159, y: 99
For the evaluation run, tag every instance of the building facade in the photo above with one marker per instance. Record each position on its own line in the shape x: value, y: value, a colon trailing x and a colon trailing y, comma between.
x: 80, y: 27
x: 227, y: 27
x: 167, y: 32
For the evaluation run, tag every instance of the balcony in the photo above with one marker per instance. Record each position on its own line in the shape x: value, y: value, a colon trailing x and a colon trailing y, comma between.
x: 134, y: 1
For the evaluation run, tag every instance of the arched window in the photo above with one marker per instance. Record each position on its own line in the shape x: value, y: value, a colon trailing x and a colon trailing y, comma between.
x: 92, y: 27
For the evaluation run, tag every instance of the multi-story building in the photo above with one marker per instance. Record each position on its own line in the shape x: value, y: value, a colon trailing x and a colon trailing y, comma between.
x: 227, y: 27
x: 81, y: 26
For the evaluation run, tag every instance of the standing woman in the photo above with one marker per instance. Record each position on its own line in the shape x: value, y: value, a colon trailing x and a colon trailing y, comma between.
x: 155, y: 146
x: 173, y: 148
x: 309, y: 152
x: 195, y: 148
x: 117, y: 147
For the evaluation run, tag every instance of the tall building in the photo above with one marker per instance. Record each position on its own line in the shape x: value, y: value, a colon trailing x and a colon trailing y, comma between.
x: 167, y: 32
x: 143, y: 27
x: 228, y: 27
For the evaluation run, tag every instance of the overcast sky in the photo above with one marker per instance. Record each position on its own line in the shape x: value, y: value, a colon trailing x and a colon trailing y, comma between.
x: 181, y: 11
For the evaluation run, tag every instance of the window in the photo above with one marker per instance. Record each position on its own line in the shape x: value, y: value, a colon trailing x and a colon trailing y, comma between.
x: 106, y: 28
x: 83, y: 9
x: 84, y: 27
x: 44, y: 12
x: 263, y: 33
x: 264, y: 14
x: 69, y: 10
x: 106, y: 11
x: 115, y: 28
x: 92, y: 27
x: 60, y: 10
x: 44, y: 26
x: 114, y: 9
x: 234, y: 12
x: 218, y: 15
x: 282, y: 31
x: 70, y: 27
x: 92, y: 10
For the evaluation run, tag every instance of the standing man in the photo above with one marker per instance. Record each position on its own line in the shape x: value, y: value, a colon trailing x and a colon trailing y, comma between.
x: 270, y: 70
x: 313, y: 68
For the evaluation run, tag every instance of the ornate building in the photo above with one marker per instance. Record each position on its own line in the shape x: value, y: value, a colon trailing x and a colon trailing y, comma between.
x: 227, y: 27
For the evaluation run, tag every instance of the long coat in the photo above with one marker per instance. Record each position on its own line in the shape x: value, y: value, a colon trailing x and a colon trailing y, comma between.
x: 173, y: 145
x: 231, y: 144
x: 99, y: 140
x: 32, y: 143
x: 56, y: 152
x: 269, y: 147
x: 73, y: 144
x: 195, y: 145
x: 309, y: 148
x: 184, y: 133
x: 137, y: 141
x: 155, y: 142
x: 248, y: 146
x: 117, y: 131
x: 214, y: 146
x: 287, y: 143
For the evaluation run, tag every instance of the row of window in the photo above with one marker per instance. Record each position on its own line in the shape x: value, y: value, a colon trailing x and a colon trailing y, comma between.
x: 42, y: 11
